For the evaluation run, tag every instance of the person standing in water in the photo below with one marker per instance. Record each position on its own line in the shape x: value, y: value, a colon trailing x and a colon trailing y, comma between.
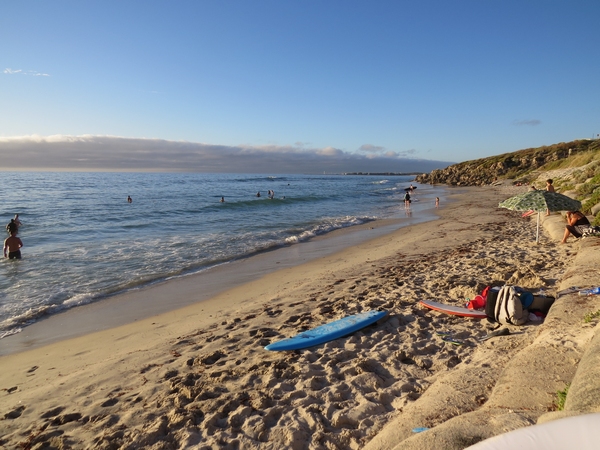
x: 10, y: 226
x: 12, y: 246
x: 129, y: 200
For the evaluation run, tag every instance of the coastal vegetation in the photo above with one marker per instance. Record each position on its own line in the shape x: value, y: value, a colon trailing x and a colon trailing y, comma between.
x: 574, y: 166
x: 561, y: 398
x: 591, y: 316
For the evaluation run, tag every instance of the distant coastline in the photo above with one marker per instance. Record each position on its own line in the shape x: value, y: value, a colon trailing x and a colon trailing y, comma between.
x: 387, y: 174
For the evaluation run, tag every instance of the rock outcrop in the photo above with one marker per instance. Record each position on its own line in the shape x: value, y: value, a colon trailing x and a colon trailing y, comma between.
x: 509, y: 165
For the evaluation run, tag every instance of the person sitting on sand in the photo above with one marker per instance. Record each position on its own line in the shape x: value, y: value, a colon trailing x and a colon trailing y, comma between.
x: 12, y: 246
x: 577, y: 222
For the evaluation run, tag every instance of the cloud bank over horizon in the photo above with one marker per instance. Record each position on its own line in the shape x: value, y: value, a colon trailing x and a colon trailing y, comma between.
x: 113, y: 153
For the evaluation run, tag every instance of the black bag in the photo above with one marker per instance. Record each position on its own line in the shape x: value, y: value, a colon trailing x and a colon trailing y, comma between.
x: 490, y: 302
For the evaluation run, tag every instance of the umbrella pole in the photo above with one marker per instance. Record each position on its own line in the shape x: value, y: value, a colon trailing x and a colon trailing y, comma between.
x: 537, y: 234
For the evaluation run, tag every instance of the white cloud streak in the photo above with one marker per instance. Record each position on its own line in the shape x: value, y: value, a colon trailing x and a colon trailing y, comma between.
x: 528, y: 122
x: 33, y: 73
x: 370, y: 148
x: 112, y: 153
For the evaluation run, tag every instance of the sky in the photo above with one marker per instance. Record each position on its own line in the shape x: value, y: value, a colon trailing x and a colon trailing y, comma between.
x: 282, y: 86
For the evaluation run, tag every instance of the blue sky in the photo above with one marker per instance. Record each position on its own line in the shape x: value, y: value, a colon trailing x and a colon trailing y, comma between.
x: 392, y: 81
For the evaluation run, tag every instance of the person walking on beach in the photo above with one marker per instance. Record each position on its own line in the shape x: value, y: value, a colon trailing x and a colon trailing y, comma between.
x: 12, y: 246
x: 407, y: 200
x: 549, y: 188
x: 437, y: 202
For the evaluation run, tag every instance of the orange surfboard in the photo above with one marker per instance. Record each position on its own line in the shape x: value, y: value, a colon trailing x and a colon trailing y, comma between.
x: 453, y: 310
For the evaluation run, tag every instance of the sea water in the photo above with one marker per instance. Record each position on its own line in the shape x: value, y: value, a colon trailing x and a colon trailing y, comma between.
x: 84, y: 242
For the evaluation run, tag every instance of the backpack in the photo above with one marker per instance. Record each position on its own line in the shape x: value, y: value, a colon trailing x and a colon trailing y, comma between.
x: 504, y: 306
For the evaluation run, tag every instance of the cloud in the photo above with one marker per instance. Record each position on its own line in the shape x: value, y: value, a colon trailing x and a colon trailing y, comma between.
x: 369, y: 148
x: 412, y: 151
x: 113, y: 153
x: 33, y: 73
x: 374, y: 151
x: 529, y: 122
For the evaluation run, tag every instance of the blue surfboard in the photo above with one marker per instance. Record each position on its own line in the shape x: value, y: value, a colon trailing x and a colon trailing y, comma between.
x: 328, y: 332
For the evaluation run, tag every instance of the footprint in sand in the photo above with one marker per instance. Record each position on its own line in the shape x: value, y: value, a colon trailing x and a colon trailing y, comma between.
x: 209, y: 360
x: 15, y: 413
x: 109, y: 402
x: 53, y: 412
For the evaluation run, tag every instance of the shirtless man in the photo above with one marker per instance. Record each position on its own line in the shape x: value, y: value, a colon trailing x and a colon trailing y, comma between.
x: 12, y: 246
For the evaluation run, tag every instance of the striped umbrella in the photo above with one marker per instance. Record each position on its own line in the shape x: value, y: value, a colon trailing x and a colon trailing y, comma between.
x: 539, y: 201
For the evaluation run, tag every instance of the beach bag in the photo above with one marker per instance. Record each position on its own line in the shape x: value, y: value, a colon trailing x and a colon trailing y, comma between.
x: 591, y: 230
x: 508, y: 307
x: 490, y: 294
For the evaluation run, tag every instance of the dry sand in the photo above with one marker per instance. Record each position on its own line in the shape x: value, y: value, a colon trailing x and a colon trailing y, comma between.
x: 198, y: 377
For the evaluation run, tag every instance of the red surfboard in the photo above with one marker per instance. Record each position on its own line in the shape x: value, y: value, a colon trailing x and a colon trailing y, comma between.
x: 453, y: 310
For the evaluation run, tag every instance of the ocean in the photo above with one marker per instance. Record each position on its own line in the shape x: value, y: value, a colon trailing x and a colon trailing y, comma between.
x: 83, y: 241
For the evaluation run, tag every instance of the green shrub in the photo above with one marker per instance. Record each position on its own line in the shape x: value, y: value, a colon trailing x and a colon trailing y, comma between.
x: 566, y: 187
x: 561, y: 398
x: 586, y: 208
x: 591, y: 316
x: 587, y: 188
x: 553, y: 165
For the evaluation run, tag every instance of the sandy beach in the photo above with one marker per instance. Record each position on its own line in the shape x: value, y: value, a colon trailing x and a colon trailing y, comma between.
x: 198, y: 376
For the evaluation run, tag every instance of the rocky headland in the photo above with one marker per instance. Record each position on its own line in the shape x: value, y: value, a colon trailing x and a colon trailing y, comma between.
x: 574, y: 166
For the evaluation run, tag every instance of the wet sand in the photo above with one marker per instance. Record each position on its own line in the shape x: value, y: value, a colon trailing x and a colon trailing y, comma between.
x: 183, y: 291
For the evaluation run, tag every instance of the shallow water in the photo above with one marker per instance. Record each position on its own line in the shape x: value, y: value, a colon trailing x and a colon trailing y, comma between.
x: 84, y: 242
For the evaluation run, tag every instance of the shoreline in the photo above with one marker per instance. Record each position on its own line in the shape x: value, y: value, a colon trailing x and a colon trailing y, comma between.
x: 198, y: 376
x: 148, y: 301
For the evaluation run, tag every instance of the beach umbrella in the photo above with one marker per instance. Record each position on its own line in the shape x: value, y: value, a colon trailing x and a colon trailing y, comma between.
x: 538, y: 201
